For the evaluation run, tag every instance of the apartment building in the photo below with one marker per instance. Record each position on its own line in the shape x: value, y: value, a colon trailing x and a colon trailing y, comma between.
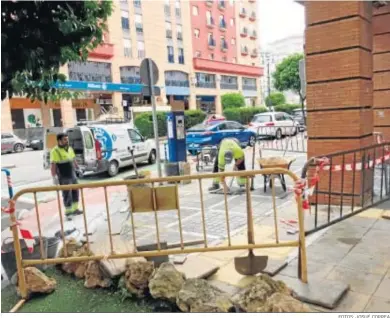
x: 195, y: 67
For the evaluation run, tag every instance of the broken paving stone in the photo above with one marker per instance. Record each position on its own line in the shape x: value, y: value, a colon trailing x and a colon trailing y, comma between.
x: 197, y: 295
x: 166, y: 282
x: 137, y: 276
x: 38, y: 282
x: 94, y: 276
x: 77, y: 268
x: 280, y: 302
x: 256, y: 294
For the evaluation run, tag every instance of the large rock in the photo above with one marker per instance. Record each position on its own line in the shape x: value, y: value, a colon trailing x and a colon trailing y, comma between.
x: 166, y: 282
x: 38, y: 282
x: 76, y: 268
x: 197, y: 295
x: 137, y: 276
x: 71, y: 246
x: 94, y: 276
x: 256, y: 294
x: 279, y: 302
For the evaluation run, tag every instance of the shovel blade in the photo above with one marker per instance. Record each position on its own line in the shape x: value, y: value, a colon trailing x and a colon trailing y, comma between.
x: 251, y: 264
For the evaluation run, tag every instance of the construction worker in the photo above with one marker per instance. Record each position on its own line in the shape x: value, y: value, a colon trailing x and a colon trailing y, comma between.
x: 64, y: 171
x: 229, y: 149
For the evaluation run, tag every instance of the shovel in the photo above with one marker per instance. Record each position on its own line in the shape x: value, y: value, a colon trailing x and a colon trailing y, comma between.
x: 251, y: 264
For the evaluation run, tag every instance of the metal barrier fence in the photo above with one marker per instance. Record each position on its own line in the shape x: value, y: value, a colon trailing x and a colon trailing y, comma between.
x: 282, y: 138
x: 350, y: 183
x: 155, y: 196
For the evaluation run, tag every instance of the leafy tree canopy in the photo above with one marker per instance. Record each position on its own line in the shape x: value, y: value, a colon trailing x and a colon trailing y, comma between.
x: 286, y: 75
x: 37, y: 37
x: 274, y: 99
x: 232, y: 100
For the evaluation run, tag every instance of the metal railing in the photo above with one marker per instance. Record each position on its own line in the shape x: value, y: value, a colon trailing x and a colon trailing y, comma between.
x: 151, y: 196
x: 177, y: 83
x: 206, y: 84
x: 229, y: 85
x: 247, y: 87
x: 351, y: 182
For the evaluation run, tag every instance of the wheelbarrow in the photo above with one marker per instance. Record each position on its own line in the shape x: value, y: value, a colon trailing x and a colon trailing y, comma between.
x: 275, y: 162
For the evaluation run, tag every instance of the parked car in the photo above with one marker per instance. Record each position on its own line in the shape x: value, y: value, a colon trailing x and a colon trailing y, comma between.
x: 213, y: 119
x: 11, y: 143
x: 211, y: 135
x: 300, y: 118
x: 274, y: 124
x: 36, y: 144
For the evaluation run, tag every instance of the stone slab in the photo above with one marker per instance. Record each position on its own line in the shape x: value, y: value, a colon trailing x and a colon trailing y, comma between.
x: 378, y: 304
x: 274, y: 266
x: 225, y: 287
x: 383, y: 290
x: 197, y: 266
x: 322, y: 292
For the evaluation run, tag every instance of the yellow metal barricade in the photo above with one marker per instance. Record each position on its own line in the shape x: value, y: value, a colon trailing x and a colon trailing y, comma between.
x: 155, y: 195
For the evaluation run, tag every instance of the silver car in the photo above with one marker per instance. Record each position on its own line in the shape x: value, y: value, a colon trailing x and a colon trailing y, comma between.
x: 11, y: 143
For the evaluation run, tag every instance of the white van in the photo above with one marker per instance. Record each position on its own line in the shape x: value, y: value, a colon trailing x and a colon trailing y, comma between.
x: 111, y: 152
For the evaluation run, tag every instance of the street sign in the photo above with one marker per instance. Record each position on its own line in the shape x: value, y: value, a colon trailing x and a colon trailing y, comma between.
x: 302, y: 76
x: 144, y: 71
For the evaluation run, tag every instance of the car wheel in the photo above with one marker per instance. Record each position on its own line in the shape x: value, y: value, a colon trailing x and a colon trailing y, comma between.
x: 113, y: 168
x: 251, y: 141
x: 278, y: 134
x: 152, y: 157
x: 18, y: 148
x: 295, y: 131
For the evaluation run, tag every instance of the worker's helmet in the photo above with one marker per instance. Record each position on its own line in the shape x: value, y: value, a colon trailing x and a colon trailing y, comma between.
x: 228, y: 157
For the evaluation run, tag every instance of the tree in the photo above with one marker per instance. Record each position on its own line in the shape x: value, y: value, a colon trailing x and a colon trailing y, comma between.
x: 286, y: 75
x: 274, y: 99
x: 37, y: 37
x: 232, y: 100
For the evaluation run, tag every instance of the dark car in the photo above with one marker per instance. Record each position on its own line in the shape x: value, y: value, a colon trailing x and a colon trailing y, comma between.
x: 36, y: 144
x: 300, y: 118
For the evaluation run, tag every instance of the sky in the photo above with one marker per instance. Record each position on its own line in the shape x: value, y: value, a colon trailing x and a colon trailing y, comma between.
x: 279, y: 19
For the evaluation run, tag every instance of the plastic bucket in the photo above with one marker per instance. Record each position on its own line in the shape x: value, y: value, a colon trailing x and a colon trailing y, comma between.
x: 171, y: 169
x: 52, y: 246
x: 8, y: 258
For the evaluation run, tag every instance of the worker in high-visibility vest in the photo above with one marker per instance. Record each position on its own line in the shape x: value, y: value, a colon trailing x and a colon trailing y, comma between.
x: 229, y: 149
x: 64, y: 170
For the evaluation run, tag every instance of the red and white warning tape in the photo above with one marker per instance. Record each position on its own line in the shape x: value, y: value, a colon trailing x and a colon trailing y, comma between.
x: 24, y: 234
x: 358, y: 165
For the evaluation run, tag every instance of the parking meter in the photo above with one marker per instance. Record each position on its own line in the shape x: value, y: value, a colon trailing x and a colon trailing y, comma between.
x: 177, y: 151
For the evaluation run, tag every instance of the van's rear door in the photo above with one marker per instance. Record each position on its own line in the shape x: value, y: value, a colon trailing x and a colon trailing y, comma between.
x: 49, y: 142
x: 90, y: 157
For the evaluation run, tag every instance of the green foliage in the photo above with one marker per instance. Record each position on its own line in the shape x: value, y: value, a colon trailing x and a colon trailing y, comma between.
x: 243, y: 115
x: 286, y: 75
x: 287, y: 108
x: 232, y: 100
x: 37, y: 37
x: 274, y: 99
x: 144, y: 122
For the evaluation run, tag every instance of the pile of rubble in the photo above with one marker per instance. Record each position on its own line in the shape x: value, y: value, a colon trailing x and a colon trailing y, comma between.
x: 140, y: 279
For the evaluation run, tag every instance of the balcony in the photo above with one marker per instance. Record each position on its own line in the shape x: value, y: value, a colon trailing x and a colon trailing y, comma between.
x: 211, y: 44
x: 103, y: 51
x: 181, y: 59
x: 168, y: 34
x: 224, y: 46
x: 254, y: 53
x: 243, y: 13
x: 141, y: 54
x: 210, y: 23
x: 222, y: 25
x: 210, y: 66
x: 179, y: 36
x: 247, y: 87
x: 206, y: 85
x: 244, y: 51
x: 253, y: 35
x: 209, y: 3
x: 233, y: 86
x: 131, y: 80
x: 244, y: 32
x: 252, y: 16
x: 171, y: 58
x: 176, y: 83
x: 167, y: 11
x: 221, y: 5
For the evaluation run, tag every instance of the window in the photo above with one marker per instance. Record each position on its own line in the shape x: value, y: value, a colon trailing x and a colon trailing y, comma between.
x: 134, y: 136
x: 212, y: 56
x: 231, y: 2
x: 141, y: 49
x: 198, y: 54
x: 7, y: 136
x: 127, y: 47
x: 168, y: 30
x: 222, y: 22
x: 232, y: 22
x: 196, y: 33
x: 279, y: 117
x: 137, y: 3
x: 171, y: 57
x: 223, y: 127
x: 234, y: 126
x: 89, y: 143
x: 177, y: 9
x: 125, y: 20
x: 181, y: 55
x: 233, y: 41
x: 179, y: 31
x: 209, y: 18
x: 195, y: 10
x: 138, y: 23
x: 167, y: 9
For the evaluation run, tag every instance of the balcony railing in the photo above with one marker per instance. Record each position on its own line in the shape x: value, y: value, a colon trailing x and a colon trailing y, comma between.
x: 177, y: 83
x: 224, y: 46
x: 131, y: 80
x: 181, y: 59
x: 254, y: 53
x: 247, y: 87
x: 253, y: 16
x: 180, y: 36
x: 168, y: 34
x: 171, y: 58
x: 244, y: 32
x: 104, y: 51
x: 242, y: 13
x: 222, y: 25
x: 211, y: 43
x: 244, y: 51
x: 178, y: 12
x: 167, y: 11
x: 253, y: 35
x: 229, y: 85
x: 210, y: 23
x: 127, y: 52
x: 206, y: 84
x: 139, y: 28
x: 221, y: 4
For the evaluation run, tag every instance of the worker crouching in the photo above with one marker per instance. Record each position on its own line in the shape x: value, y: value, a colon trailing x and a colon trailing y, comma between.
x: 229, y: 149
